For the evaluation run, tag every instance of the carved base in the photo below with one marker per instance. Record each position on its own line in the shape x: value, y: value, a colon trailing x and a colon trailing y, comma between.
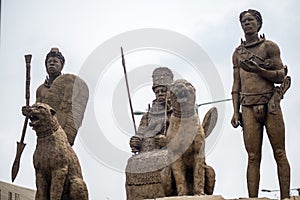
x: 216, y: 197
x: 203, y: 197
x: 141, y: 192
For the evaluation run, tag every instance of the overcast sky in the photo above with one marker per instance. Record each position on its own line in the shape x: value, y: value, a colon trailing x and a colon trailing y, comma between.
x: 83, y: 29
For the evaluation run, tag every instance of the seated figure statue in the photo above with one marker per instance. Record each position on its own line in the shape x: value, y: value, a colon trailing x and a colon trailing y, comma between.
x: 144, y: 171
x: 152, y: 125
x: 169, y: 156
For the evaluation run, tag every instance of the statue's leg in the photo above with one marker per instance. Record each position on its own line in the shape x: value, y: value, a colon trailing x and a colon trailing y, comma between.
x: 57, y: 183
x: 166, y: 176
x: 178, y: 170
x: 78, y: 189
x: 41, y: 187
x: 199, y: 175
x: 199, y: 163
x: 253, y: 134
x: 276, y: 133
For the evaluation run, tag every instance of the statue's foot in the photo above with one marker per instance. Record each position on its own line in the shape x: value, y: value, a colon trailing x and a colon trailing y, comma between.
x: 182, y: 190
x: 199, y: 193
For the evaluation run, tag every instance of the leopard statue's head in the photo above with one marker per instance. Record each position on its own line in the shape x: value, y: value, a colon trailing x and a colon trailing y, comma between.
x: 183, y: 97
x: 42, y: 119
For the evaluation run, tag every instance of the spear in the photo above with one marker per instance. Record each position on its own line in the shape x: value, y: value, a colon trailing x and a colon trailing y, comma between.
x: 21, y: 144
x: 128, y: 92
x: 212, y: 102
x: 197, y: 105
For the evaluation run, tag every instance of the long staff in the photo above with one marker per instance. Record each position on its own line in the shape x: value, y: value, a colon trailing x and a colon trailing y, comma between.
x: 21, y: 144
x: 128, y: 92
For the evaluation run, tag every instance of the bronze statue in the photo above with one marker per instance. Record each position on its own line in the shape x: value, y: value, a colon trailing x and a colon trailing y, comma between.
x: 54, y: 63
x: 153, y: 125
x: 170, y: 144
x: 257, y: 67
x: 66, y: 93
x: 146, y: 172
x: 58, y: 172
x: 186, y: 143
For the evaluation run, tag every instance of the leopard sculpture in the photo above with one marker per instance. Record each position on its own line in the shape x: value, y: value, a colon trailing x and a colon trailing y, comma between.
x: 58, y: 171
x: 186, y: 143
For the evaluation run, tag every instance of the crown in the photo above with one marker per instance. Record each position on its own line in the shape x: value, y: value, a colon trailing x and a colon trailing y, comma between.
x: 162, y: 76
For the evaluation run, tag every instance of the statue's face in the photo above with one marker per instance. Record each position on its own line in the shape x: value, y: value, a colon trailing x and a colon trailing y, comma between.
x: 249, y: 24
x: 160, y: 93
x: 53, y: 65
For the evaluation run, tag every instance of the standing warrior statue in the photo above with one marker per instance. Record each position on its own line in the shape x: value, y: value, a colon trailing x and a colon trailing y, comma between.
x: 257, y: 67
x: 66, y: 93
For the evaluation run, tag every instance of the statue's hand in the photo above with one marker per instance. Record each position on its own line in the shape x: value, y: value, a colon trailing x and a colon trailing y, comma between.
x: 236, y: 120
x: 135, y: 142
x: 250, y: 66
x: 24, y: 110
x: 269, y: 64
x: 160, y: 140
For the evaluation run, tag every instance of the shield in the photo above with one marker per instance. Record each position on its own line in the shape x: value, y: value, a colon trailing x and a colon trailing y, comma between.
x: 210, y: 121
x: 68, y: 95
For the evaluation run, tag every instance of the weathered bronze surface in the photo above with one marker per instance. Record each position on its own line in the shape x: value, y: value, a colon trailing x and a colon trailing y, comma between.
x: 56, y: 117
x: 257, y: 68
x: 58, y: 172
x: 54, y: 63
x: 170, y: 143
x: 146, y: 172
x: 186, y: 143
x: 154, y: 123
x: 67, y: 94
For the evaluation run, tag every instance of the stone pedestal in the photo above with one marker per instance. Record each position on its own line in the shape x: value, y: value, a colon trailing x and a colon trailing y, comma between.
x: 204, y: 197
x: 216, y: 197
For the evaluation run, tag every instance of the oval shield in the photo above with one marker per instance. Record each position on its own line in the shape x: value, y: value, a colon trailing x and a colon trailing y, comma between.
x: 68, y: 95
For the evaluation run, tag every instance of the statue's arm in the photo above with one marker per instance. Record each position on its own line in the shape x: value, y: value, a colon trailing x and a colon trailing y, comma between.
x: 38, y: 99
x: 135, y: 141
x: 144, y: 120
x: 38, y: 93
x: 274, y: 75
x: 143, y: 123
x: 235, y: 93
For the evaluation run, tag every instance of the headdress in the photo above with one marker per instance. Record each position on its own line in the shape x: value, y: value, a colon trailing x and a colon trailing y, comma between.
x: 162, y: 76
x: 54, y: 52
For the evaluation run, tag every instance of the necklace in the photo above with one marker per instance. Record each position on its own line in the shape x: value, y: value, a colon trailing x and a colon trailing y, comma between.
x: 260, y: 40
